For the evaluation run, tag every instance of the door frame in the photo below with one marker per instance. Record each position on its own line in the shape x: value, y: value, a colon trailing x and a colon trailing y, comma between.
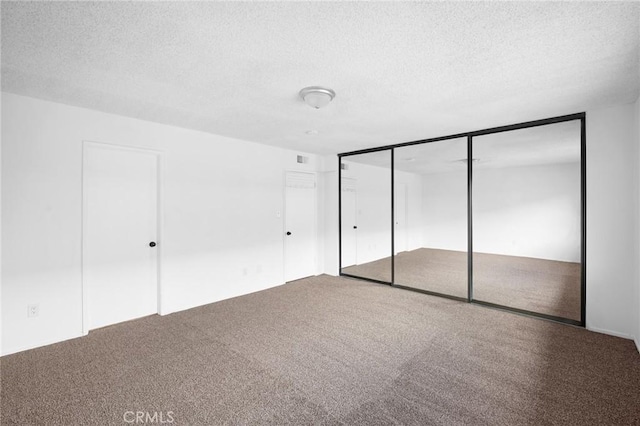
x: 401, y: 187
x: 355, y: 213
x: 160, y: 162
x: 284, y: 221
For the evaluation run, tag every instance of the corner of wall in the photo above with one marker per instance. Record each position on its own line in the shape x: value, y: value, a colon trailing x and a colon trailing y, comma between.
x: 612, y: 179
x: 637, y: 212
x: 1, y: 94
x: 329, y: 176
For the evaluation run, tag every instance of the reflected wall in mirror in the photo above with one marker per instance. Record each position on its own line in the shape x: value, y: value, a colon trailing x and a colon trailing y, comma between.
x: 366, y: 215
x: 431, y: 217
x: 527, y: 219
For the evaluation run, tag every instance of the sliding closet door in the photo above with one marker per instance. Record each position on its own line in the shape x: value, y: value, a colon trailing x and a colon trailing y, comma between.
x: 527, y: 219
x: 434, y: 176
x: 366, y: 216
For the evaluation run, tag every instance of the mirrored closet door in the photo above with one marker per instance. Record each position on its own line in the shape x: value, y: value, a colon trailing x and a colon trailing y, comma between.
x: 430, y: 237
x: 527, y: 219
x: 365, y: 191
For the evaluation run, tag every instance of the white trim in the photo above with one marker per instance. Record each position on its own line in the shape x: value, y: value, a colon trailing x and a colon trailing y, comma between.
x: 351, y: 186
x: 637, y: 341
x: 283, y: 224
x: 160, y: 224
x: 41, y: 344
x: 160, y: 155
x: 401, y: 187
x: 83, y: 241
x: 116, y: 146
x: 609, y: 332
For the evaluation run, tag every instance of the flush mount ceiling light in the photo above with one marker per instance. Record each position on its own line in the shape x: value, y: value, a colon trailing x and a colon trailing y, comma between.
x: 316, y: 96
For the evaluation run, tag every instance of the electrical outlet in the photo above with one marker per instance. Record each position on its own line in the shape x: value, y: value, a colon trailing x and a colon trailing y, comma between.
x: 33, y: 311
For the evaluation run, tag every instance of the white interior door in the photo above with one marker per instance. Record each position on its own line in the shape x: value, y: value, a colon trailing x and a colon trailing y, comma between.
x: 349, y: 222
x: 120, y: 223
x: 400, y: 217
x: 300, y: 225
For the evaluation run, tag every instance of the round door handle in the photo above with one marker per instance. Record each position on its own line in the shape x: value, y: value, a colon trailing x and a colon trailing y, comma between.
x: 288, y: 233
x: 152, y: 244
x: 355, y: 227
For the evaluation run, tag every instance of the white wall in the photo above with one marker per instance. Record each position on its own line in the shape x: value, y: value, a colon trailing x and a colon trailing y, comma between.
x: 444, y: 210
x: 637, y: 280
x: 413, y: 181
x: 528, y: 211
x: 531, y: 211
x: 373, y: 203
x: 1, y: 228
x: 373, y: 210
x: 612, y: 220
x: 221, y: 199
x: 329, y: 201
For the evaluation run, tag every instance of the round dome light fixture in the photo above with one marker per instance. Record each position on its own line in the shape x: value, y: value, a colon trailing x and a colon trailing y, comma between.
x: 316, y: 96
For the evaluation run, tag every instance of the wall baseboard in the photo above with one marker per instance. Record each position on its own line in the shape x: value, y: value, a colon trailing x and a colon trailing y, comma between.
x: 17, y: 349
x: 610, y: 333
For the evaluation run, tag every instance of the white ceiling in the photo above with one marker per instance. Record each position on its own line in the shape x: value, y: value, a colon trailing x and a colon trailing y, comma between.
x: 401, y: 71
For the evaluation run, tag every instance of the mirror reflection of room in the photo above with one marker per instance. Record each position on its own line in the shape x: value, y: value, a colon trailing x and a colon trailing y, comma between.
x: 527, y: 219
x: 366, y: 215
x: 431, y: 217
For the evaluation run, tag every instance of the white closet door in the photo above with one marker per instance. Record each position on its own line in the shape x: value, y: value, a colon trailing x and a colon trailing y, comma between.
x: 300, y: 225
x: 349, y: 222
x: 120, y: 261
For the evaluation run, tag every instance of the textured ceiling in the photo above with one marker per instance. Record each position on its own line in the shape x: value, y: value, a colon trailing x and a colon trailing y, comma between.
x: 401, y: 71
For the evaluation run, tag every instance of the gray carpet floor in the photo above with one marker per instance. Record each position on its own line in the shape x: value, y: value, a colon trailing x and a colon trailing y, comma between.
x: 539, y: 285
x: 329, y: 350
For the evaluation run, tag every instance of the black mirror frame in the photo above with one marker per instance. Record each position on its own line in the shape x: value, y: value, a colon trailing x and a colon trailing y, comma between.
x: 470, y: 135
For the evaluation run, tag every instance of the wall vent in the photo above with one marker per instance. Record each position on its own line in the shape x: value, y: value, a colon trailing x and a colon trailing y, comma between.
x: 302, y: 159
